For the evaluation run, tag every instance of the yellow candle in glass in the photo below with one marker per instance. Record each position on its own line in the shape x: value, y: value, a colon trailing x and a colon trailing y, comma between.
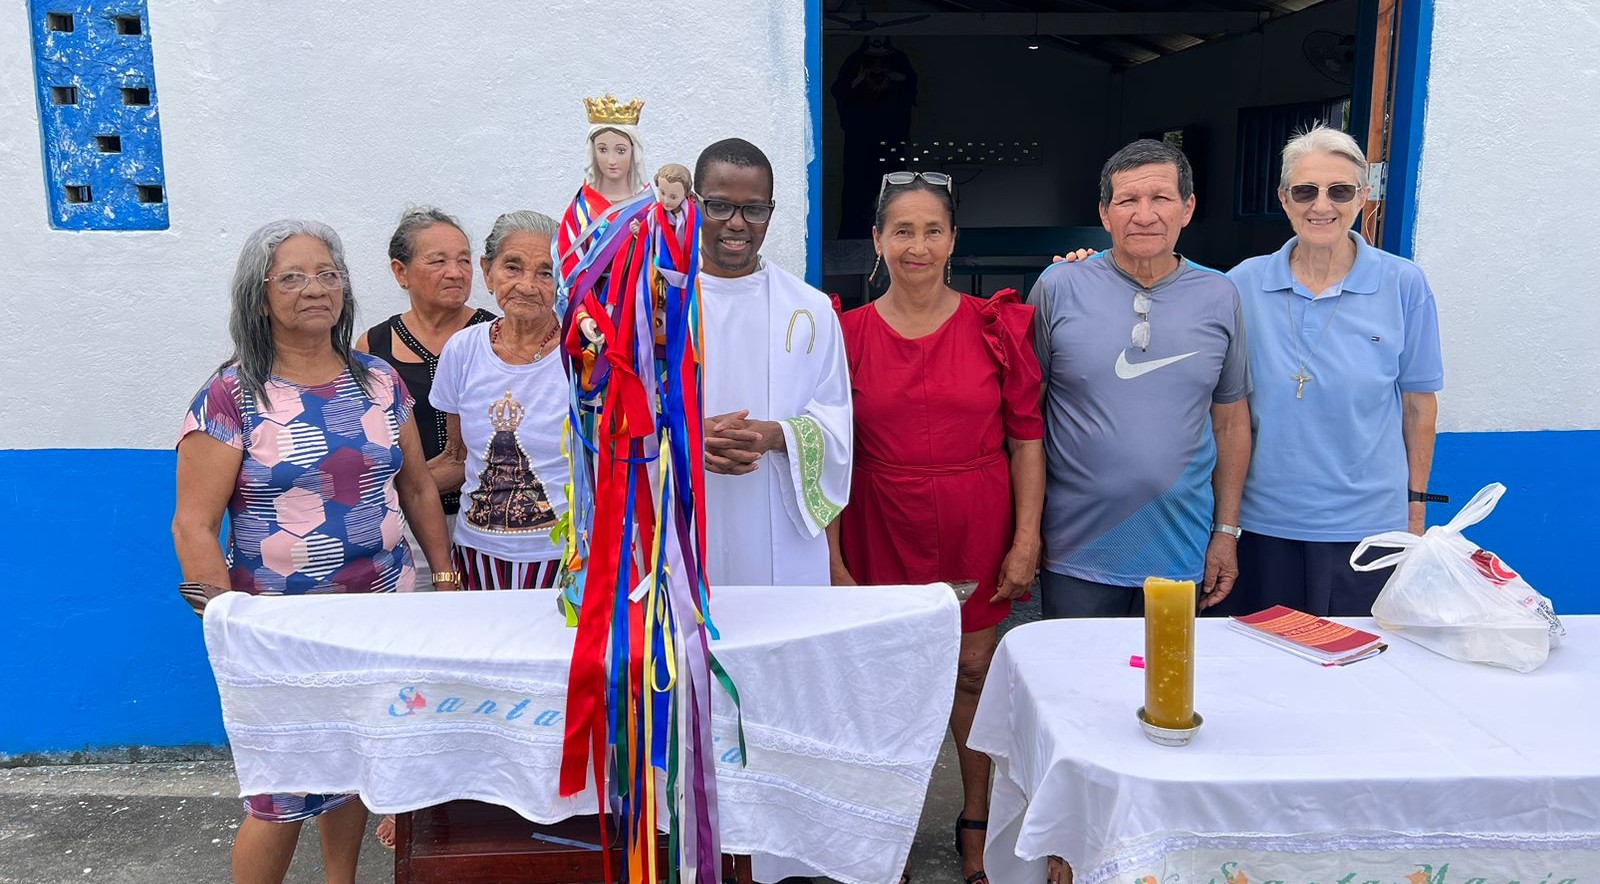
x: 1169, y: 652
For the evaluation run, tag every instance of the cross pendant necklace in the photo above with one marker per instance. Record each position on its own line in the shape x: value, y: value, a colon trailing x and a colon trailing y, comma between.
x: 1303, y: 377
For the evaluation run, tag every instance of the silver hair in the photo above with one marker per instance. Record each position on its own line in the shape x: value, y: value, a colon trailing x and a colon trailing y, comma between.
x: 522, y: 221
x: 250, y: 326
x: 1147, y: 152
x: 414, y: 220
x: 636, y: 172
x: 1321, y: 139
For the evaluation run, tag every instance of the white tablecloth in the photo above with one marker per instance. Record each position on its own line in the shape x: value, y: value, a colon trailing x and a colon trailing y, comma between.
x: 1388, y: 770
x: 416, y: 699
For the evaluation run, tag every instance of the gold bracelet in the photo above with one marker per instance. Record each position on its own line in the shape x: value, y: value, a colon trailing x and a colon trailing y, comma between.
x: 445, y: 577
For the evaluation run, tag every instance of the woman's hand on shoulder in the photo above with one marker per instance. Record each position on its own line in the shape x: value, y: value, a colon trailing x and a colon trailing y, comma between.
x: 1074, y: 256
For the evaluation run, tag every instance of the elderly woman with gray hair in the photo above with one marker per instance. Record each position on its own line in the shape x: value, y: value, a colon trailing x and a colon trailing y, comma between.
x: 1344, y: 351
x: 431, y: 259
x: 309, y: 448
x: 504, y: 398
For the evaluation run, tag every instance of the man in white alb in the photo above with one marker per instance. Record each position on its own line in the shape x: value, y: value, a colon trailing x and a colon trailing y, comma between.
x: 777, y: 389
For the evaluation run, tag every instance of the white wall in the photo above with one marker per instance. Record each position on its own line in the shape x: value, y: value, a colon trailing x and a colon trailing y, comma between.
x: 1505, y: 226
x: 346, y: 112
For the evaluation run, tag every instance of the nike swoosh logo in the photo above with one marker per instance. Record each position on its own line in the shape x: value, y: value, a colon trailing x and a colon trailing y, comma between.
x: 1130, y: 370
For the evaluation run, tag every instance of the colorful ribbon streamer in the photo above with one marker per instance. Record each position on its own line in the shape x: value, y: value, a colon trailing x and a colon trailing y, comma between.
x: 639, y: 691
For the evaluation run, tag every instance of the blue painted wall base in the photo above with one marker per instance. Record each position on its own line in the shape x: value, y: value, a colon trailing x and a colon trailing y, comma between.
x: 1545, y: 523
x: 100, y: 649
x: 102, y: 652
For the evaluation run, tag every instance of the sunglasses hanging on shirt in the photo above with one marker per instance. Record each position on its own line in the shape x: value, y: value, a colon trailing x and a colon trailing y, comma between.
x: 1141, y: 329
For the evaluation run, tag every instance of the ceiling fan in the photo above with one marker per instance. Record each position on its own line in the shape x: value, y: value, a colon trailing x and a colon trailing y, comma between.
x: 862, y: 24
x: 1332, y: 54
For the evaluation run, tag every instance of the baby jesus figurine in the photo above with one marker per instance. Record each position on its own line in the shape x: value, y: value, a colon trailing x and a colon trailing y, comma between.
x: 673, y: 184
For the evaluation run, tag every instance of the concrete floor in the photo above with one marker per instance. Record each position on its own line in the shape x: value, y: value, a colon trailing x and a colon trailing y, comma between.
x: 171, y: 822
x: 174, y: 822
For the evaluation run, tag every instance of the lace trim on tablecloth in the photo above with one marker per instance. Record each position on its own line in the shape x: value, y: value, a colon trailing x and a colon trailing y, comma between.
x: 814, y: 799
x: 1137, y: 854
x: 234, y: 678
x: 371, y: 742
x: 377, y: 804
x: 889, y: 832
x: 805, y: 747
x: 520, y: 749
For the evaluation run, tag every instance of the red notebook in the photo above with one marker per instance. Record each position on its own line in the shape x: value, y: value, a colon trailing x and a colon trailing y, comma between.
x: 1314, y: 638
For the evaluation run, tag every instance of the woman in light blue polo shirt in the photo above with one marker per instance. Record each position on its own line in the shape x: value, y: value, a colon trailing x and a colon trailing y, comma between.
x: 1344, y: 355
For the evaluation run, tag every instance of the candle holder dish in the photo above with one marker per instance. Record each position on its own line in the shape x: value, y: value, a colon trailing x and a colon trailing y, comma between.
x: 1168, y: 736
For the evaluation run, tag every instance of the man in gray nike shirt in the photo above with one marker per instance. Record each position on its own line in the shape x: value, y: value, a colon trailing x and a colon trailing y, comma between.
x: 1147, y: 432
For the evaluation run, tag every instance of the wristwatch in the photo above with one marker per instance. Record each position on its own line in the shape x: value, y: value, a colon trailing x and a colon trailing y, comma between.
x: 1424, y: 497
x: 1233, y: 531
x: 445, y: 577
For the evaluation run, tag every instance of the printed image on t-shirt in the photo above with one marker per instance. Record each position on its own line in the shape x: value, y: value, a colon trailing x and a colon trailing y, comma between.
x: 510, y: 498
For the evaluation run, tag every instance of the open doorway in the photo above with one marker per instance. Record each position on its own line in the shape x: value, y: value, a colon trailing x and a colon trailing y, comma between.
x: 1021, y: 101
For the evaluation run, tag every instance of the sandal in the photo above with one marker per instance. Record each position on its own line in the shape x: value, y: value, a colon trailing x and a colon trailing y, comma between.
x: 970, y: 825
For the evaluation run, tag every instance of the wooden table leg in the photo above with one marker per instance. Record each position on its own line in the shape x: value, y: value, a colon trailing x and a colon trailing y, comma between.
x: 402, y: 848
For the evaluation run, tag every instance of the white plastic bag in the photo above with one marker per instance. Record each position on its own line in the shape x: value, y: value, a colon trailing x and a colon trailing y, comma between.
x: 1459, y: 600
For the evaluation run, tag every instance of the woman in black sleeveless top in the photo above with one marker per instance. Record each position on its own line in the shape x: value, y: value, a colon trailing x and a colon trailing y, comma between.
x: 432, y: 261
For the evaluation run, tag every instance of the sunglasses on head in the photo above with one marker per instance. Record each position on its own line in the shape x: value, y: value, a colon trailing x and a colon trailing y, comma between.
x: 901, y: 179
x: 1339, y: 193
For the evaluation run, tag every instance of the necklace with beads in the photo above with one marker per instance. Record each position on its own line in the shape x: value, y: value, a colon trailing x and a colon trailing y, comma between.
x: 538, y: 352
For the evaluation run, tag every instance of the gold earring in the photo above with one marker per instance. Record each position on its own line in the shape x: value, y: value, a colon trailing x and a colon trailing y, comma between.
x: 878, y: 262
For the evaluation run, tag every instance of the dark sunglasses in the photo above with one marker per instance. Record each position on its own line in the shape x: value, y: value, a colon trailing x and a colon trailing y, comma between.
x: 722, y: 210
x: 901, y: 179
x: 1339, y: 193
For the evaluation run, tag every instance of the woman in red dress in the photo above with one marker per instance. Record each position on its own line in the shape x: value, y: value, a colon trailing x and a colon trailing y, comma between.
x: 949, y: 466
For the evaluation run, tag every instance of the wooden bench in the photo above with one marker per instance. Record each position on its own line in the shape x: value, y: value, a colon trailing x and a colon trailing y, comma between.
x: 470, y: 842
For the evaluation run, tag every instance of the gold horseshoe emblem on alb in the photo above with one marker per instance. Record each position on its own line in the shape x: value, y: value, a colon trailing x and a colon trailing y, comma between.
x: 788, y: 338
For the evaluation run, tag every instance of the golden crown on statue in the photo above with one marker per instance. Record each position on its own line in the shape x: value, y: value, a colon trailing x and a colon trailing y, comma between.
x: 607, y: 110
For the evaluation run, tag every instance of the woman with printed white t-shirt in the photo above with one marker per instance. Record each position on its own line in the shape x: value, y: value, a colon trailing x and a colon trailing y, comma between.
x: 504, y: 395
